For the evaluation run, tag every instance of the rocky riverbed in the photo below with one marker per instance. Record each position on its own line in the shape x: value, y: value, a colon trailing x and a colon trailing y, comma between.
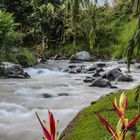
x: 63, y: 88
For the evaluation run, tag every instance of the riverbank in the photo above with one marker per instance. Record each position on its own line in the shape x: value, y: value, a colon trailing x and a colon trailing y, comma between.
x: 86, y: 126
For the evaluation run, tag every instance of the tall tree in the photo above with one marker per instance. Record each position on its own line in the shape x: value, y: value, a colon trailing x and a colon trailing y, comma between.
x: 21, y: 10
x: 75, y: 7
x: 92, y: 35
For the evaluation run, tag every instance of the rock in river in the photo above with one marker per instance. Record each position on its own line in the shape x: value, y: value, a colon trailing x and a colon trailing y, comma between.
x: 45, y: 95
x: 100, y: 64
x: 116, y: 73
x: 88, y: 79
x: 9, y: 70
x: 81, y: 56
x: 101, y: 83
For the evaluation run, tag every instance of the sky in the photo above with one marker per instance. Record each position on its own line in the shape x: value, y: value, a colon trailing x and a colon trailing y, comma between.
x: 101, y: 2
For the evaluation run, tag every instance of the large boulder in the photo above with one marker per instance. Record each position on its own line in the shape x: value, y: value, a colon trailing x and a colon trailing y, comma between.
x: 10, y: 70
x: 116, y: 73
x: 81, y: 56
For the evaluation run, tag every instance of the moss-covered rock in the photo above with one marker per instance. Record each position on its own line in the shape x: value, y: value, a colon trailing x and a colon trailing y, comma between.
x: 26, y: 58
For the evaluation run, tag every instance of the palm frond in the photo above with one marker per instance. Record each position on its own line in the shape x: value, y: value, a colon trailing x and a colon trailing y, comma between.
x: 134, y: 44
x: 92, y: 37
x: 137, y: 7
x: 129, y: 53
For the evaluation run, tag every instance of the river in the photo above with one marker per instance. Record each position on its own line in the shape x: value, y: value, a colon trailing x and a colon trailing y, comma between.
x: 62, y: 93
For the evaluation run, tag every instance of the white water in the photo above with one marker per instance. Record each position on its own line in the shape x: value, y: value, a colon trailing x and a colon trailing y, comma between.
x: 20, y: 99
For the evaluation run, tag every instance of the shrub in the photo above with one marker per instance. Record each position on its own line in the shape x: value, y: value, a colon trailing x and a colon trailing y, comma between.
x: 8, y: 36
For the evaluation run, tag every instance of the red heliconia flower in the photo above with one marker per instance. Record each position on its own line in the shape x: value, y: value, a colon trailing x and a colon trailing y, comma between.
x: 121, y: 108
x: 107, y: 126
x: 132, y: 122
x: 50, y: 133
x: 118, y: 135
x: 123, y: 126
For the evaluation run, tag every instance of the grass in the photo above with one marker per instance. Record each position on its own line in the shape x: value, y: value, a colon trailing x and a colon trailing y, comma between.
x: 87, y: 126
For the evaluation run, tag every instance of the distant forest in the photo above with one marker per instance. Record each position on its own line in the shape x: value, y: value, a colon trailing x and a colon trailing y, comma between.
x: 44, y: 28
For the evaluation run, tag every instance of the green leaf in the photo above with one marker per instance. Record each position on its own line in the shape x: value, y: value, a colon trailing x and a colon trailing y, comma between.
x: 92, y: 37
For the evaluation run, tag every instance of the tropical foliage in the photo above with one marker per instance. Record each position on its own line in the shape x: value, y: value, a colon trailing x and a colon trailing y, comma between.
x: 60, y: 27
x: 134, y: 42
x: 123, y: 126
x: 8, y: 37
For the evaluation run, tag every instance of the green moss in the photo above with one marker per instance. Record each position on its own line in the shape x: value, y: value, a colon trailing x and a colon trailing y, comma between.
x: 88, y: 127
x: 31, y: 58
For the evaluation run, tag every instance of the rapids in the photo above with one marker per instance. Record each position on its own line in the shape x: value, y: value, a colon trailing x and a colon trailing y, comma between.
x: 62, y: 93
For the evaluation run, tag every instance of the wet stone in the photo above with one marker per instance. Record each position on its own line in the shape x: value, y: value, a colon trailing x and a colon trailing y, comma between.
x: 99, y: 70
x: 45, y: 95
x: 101, y: 83
x: 88, y: 79
x: 101, y: 65
x: 72, y: 66
x: 96, y: 75
x: 63, y: 94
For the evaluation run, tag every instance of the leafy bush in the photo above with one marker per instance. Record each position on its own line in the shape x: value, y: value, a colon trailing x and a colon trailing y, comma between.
x: 8, y: 37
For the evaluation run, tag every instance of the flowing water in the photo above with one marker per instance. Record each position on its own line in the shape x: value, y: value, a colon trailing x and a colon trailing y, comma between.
x: 62, y: 93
